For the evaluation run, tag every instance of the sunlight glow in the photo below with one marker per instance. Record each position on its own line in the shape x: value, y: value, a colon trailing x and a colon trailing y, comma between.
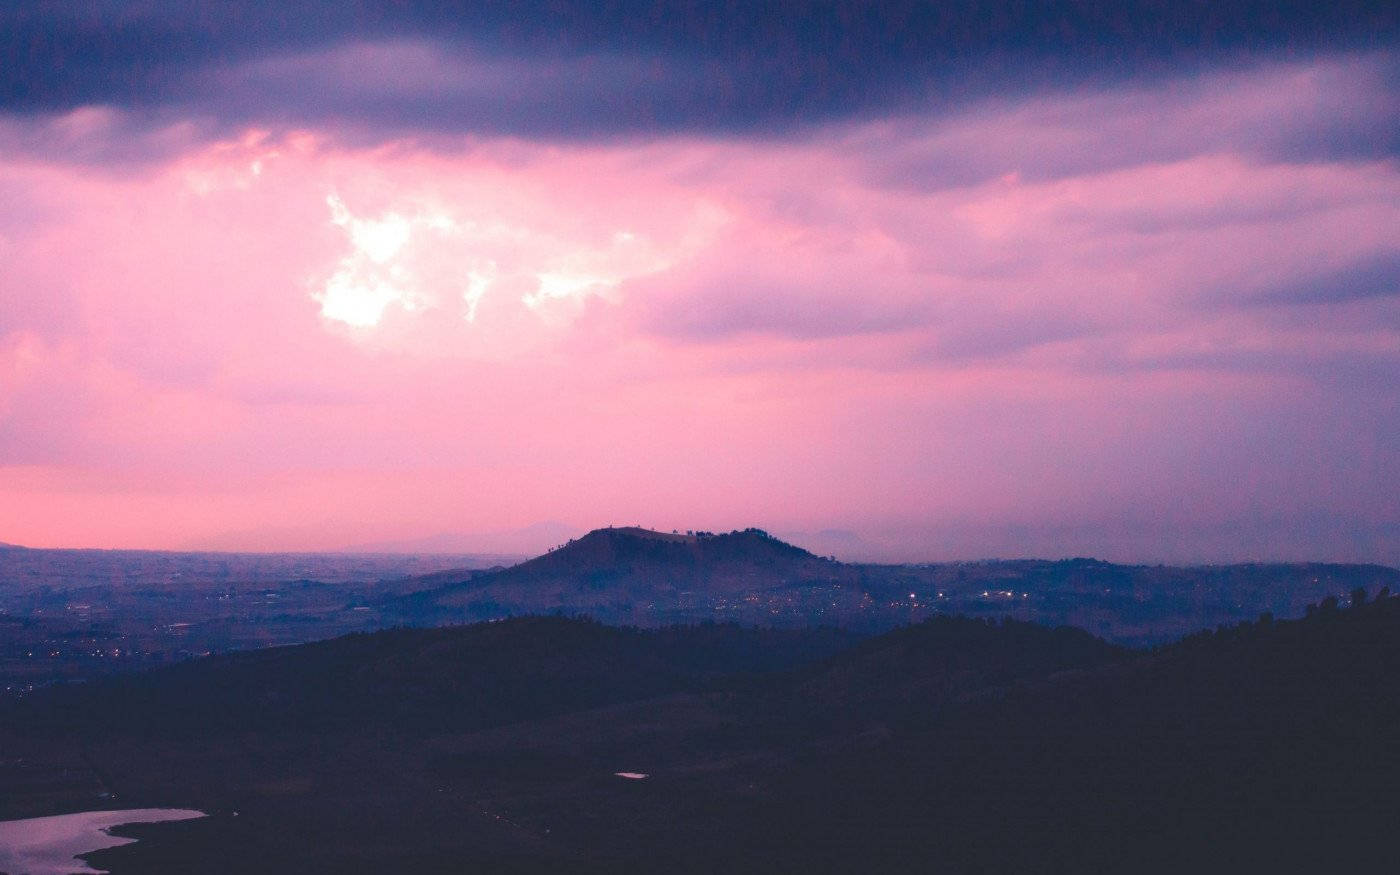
x: 442, y: 252
x: 478, y: 281
x: 372, y: 276
x: 356, y: 300
x: 556, y: 286
x: 380, y: 240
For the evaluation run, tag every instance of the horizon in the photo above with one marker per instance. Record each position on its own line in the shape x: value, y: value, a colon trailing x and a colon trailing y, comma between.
x: 917, y: 282
x: 872, y: 556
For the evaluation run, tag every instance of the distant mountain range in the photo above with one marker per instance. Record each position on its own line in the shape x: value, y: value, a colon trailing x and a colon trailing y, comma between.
x: 648, y: 578
x: 515, y: 543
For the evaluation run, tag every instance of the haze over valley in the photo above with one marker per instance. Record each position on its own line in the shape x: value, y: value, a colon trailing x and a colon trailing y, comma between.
x: 75, y: 615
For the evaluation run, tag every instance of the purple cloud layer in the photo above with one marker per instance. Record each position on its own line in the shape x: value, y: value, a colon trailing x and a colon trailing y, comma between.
x: 1127, y: 320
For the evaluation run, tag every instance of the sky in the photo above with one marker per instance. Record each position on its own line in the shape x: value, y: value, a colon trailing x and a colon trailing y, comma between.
x: 920, y: 281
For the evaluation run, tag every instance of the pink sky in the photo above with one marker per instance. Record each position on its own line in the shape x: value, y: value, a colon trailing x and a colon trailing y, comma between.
x: 1132, y: 323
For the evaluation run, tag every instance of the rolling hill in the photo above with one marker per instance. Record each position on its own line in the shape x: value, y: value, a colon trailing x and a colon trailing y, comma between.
x: 956, y: 745
x: 623, y: 574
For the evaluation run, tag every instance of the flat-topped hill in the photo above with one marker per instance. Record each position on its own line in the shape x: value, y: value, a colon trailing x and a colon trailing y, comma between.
x: 617, y: 569
x: 616, y: 547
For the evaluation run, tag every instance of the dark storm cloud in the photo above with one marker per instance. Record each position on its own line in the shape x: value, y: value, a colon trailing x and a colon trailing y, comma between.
x: 552, y: 68
x: 1342, y: 108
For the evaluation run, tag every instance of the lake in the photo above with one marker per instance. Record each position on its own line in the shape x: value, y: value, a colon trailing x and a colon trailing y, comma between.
x: 50, y: 845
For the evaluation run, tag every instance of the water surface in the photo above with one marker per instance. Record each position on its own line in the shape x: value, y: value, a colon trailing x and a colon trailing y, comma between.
x: 50, y: 845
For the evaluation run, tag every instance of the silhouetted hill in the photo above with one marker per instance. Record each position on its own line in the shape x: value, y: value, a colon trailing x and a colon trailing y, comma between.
x: 900, y: 676
x: 619, y: 554
x: 633, y: 547
x: 622, y: 571
x: 639, y: 577
x: 1264, y: 747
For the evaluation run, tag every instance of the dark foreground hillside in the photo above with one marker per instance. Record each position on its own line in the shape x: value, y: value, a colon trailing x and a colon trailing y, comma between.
x: 956, y: 745
x: 421, y: 681
x: 1268, y: 747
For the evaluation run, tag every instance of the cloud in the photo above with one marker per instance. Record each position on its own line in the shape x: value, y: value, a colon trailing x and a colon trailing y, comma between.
x: 1371, y: 276
x: 1010, y: 263
x: 1338, y: 108
x: 271, y: 326
x: 708, y: 240
x: 597, y: 70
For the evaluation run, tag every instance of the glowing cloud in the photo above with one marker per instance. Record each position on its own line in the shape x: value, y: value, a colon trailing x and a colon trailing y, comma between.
x: 441, y: 248
x: 981, y: 323
x: 368, y: 280
x: 478, y: 281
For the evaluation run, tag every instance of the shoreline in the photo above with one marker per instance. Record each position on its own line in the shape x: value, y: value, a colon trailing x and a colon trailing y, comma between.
x: 56, y: 844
